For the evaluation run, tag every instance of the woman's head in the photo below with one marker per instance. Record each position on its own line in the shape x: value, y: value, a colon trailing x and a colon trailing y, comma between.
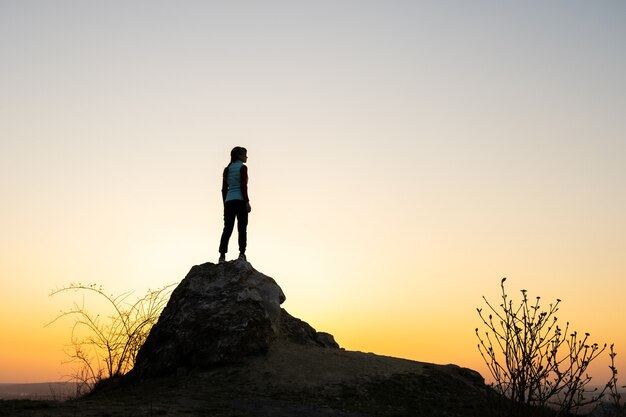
x: 238, y: 154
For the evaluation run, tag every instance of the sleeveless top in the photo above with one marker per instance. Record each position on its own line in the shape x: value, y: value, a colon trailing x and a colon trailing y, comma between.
x: 233, y: 179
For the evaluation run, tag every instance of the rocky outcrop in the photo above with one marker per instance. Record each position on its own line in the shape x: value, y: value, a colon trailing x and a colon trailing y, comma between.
x: 218, y: 315
x: 298, y: 331
x: 250, y: 357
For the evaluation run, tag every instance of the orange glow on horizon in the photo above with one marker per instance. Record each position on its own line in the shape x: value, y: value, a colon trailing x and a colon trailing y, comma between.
x: 403, y: 158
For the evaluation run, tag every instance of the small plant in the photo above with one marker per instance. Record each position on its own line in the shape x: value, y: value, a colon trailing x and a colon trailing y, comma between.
x: 533, y: 361
x: 617, y: 408
x: 106, y: 346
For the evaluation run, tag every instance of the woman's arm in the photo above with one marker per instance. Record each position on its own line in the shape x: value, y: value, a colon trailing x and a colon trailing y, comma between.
x: 224, y: 184
x: 243, y: 175
x: 244, y: 183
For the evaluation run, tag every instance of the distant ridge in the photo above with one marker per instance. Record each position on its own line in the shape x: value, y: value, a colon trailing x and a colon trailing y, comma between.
x: 38, y: 391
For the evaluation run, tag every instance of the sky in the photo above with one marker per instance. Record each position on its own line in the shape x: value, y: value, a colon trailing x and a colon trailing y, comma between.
x: 404, y: 156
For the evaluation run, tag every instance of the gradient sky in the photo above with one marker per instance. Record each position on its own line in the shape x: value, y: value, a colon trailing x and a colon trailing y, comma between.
x: 404, y: 156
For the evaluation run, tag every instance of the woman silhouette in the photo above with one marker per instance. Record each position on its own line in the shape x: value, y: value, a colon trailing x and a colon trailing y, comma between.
x: 236, y: 202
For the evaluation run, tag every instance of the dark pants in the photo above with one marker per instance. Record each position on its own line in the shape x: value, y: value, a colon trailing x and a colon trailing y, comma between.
x: 234, y: 209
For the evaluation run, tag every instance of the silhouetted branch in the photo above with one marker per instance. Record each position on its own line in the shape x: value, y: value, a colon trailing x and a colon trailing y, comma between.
x: 110, y: 347
x: 531, y: 360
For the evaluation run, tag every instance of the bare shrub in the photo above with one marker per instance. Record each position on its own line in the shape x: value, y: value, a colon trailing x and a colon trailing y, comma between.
x: 106, y: 346
x: 615, y: 406
x: 533, y: 361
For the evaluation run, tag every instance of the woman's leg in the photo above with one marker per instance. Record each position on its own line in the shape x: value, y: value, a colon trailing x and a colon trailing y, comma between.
x: 242, y: 226
x: 230, y: 214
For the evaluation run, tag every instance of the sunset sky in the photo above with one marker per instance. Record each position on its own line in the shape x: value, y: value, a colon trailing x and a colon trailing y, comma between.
x: 404, y: 156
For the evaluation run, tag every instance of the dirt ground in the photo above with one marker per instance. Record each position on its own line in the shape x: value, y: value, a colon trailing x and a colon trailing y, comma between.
x: 290, y: 380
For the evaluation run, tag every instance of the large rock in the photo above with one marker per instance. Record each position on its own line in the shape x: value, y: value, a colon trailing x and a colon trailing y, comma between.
x: 217, y: 315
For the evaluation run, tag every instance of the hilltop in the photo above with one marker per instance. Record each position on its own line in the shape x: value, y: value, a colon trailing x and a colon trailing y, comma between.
x: 224, y: 347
